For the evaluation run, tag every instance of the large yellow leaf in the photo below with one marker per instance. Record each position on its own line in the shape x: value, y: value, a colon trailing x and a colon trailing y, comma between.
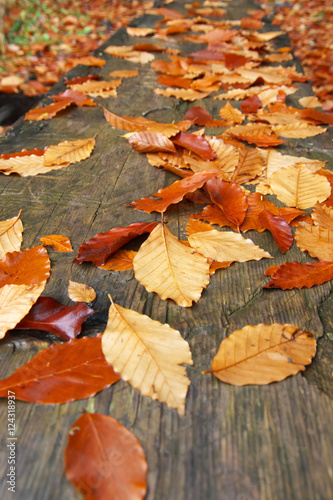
x: 165, y: 266
x: 263, y: 354
x: 148, y: 355
x: 15, y: 303
x: 250, y: 165
x: 276, y: 160
x: 299, y: 130
x: 315, y: 240
x: 27, y: 165
x: 69, y: 151
x: 226, y: 246
x: 10, y: 235
x: 297, y: 187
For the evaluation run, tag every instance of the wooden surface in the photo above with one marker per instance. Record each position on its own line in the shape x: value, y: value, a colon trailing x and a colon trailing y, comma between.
x: 237, y: 443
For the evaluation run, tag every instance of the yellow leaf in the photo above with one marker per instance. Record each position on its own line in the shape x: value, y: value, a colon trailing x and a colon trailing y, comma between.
x: 69, y: 151
x: 80, y: 292
x: 276, y: 160
x: 299, y: 130
x: 297, y: 187
x: 15, y: 303
x: 27, y: 165
x: 226, y: 246
x: 148, y: 355
x: 231, y: 114
x: 315, y: 240
x: 97, y: 89
x: 310, y: 102
x: 227, y: 155
x: 165, y: 266
x: 10, y: 235
x: 263, y: 354
x: 250, y: 165
x: 124, y: 73
x: 184, y: 94
x: 141, y: 32
x: 322, y: 216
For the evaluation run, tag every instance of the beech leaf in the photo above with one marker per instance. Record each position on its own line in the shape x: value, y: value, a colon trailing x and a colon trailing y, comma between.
x: 280, y: 229
x: 122, y: 260
x: 46, y: 112
x: 296, y: 275
x: 58, y: 242
x: 195, y: 143
x: 96, y: 441
x: 69, y: 151
x: 25, y: 267
x: 62, y: 373
x: 148, y: 355
x: 80, y: 292
x: 10, y: 235
x: 151, y: 142
x: 103, y: 245
x: 262, y: 354
x: 315, y: 240
x: 165, y: 266
x: 229, y: 198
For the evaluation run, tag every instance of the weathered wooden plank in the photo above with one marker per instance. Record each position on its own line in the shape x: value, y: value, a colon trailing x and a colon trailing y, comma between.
x: 266, y: 443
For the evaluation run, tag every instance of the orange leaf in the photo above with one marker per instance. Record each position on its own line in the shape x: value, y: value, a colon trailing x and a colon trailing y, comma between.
x: 122, y: 260
x: 89, y: 61
x: 175, y: 81
x: 280, y: 229
x: 74, y: 96
x: 199, y: 116
x: 68, y: 151
x: 62, y: 373
x: 26, y: 267
x: 296, y: 275
x: 262, y: 141
x: 231, y: 114
x: 59, y: 243
x: 124, y: 73
x: 194, y: 143
x: 151, y: 142
x: 214, y: 215
x: 230, y: 198
x: 46, y: 112
x: 184, y: 94
x: 96, y: 439
x: 174, y: 193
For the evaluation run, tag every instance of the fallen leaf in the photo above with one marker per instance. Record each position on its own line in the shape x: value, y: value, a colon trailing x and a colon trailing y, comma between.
x: 298, y: 187
x: 175, y: 81
x: 298, y: 131
x: 197, y: 144
x: 97, y: 89
x: 100, y: 447
x: 75, y: 96
x: 58, y: 242
x: 122, y: 260
x: 229, y: 198
x: 88, y: 61
x: 124, y: 73
x: 322, y: 216
x: 199, y: 116
x: 262, y: 354
x: 10, y: 235
x: 231, y: 114
x: 151, y: 142
x: 226, y: 246
x: 80, y: 292
x: 15, y: 303
x: 62, y: 373
x: 141, y: 32
x: 250, y: 165
x: 103, y: 245
x: 279, y: 228
x: 184, y: 94
x: 214, y: 215
x: 296, y: 275
x: 165, y: 266
x: 69, y: 151
x: 27, y: 165
x: 51, y: 316
x: 310, y: 102
x: 46, y: 112
x: 25, y: 267
x: 315, y: 240
x: 153, y: 356
x: 174, y: 193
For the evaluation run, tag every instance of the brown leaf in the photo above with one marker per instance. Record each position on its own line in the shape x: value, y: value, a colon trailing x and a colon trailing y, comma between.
x: 296, y: 275
x: 124, y: 73
x: 10, y: 235
x: 88, y: 61
x: 152, y: 361
x: 62, y: 373
x: 229, y: 198
x: 98, y: 89
x: 103, y: 245
x: 263, y: 354
x: 80, y: 292
x: 25, y: 267
x: 58, y: 242
x: 69, y: 151
x: 175, y: 81
x: 250, y: 165
x: 151, y: 142
x: 214, y: 215
x: 96, y: 439
x: 174, y: 193
x: 51, y: 316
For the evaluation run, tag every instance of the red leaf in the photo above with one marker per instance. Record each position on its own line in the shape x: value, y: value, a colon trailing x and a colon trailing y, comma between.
x: 51, y: 316
x: 230, y: 198
x: 198, y: 116
x: 104, y: 460
x: 280, y: 229
x: 62, y: 373
x: 101, y: 246
x: 196, y: 144
x: 26, y: 267
x: 174, y: 193
x: 46, y: 112
x: 24, y: 152
x: 256, y: 203
x: 251, y: 104
x: 296, y: 275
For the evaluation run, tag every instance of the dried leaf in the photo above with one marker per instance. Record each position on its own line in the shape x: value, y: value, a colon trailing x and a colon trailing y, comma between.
x: 25, y: 267
x: 27, y: 165
x: 89, y: 61
x: 229, y: 198
x: 151, y: 142
x: 298, y: 187
x: 197, y: 144
x: 262, y: 354
x: 250, y: 165
x: 199, y: 116
x: 296, y: 275
x: 80, y: 292
x: 51, y: 316
x: 153, y: 356
x: 141, y: 32
x: 174, y: 193
x: 58, y: 242
x: 226, y: 246
x: 69, y: 151
x: 99, y: 447
x: 75, y: 96
x: 103, y: 245
x: 46, y: 112
x: 98, y: 89
x: 298, y: 131
x: 323, y: 216
x: 124, y: 73
x: 214, y: 215
x: 10, y: 235
x: 184, y: 94
x: 62, y: 373
x: 279, y: 228
x: 122, y: 260
x: 165, y: 266
x: 15, y: 303
x: 227, y: 156
x: 231, y: 114
x: 310, y: 102
x: 315, y: 240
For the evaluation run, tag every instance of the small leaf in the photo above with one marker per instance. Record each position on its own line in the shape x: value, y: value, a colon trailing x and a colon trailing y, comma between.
x: 153, y: 356
x: 199, y: 116
x: 69, y: 151
x: 58, y: 242
x: 151, y: 142
x: 46, y: 112
x: 263, y: 354
x: 10, y: 235
x: 62, y: 373
x: 99, y: 447
x: 80, y: 292
x: 184, y: 94
x: 296, y: 275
